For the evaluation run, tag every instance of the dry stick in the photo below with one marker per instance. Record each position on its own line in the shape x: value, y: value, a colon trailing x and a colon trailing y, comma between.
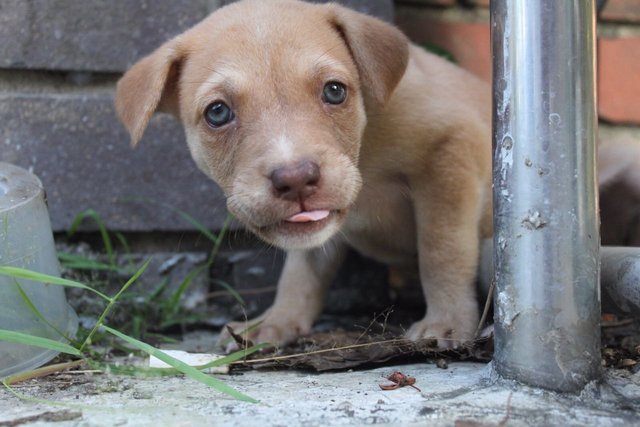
x: 386, y: 313
x: 485, y: 312
x: 326, y: 350
x: 42, y: 372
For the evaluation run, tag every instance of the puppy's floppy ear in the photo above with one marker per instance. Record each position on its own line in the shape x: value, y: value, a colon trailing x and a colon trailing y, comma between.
x: 150, y: 85
x: 380, y: 51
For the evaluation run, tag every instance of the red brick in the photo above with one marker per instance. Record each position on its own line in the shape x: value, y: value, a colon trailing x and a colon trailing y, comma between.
x: 469, y: 43
x: 621, y: 10
x: 619, y: 79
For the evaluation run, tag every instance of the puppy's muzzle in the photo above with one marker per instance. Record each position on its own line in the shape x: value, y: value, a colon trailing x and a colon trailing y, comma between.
x: 297, y: 182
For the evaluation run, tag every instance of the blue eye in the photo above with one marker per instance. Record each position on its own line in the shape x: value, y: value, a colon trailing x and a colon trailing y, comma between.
x: 334, y: 93
x: 218, y: 114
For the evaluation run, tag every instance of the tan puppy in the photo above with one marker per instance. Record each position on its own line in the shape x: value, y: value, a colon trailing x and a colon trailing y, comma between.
x: 326, y: 128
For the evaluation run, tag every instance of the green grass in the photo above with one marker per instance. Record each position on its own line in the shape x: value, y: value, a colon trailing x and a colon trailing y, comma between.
x: 104, y: 233
x: 19, y: 338
x: 161, y: 309
x: 80, y: 349
x: 169, y: 307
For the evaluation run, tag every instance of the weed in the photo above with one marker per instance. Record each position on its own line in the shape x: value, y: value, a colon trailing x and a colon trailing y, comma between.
x: 147, y: 313
x: 168, y: 307
x: 104, y: 233
x: 80, y: 349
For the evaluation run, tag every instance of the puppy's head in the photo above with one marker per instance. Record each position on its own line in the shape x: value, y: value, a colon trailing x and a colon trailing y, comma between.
x: 273, y: 96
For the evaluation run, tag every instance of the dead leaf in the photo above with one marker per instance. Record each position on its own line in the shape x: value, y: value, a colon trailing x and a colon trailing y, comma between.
x: 399, y: 380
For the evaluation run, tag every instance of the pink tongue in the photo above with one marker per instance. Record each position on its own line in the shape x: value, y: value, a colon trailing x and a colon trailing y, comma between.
x: 308, y: 216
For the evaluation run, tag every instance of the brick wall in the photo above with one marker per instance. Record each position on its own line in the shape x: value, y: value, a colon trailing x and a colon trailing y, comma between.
x: 461, y: 27
x: 464, y: 31
x: 59, y: 61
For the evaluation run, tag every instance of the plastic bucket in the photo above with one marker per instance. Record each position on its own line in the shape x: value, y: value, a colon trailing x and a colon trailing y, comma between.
x: 26, y: 241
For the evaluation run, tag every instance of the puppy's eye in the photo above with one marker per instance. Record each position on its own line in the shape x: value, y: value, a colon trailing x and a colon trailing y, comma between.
x: 334, y: 93
x: 218, y: 114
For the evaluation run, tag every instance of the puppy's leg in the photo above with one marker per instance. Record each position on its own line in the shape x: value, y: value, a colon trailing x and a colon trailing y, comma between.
x: 448, y: 215
x: 299, y: 297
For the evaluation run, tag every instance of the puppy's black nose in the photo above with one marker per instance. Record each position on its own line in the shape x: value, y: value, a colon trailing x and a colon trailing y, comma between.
x: 296, y: 182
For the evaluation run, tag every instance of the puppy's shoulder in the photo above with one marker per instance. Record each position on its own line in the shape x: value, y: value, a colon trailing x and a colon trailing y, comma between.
x: 445, y: 83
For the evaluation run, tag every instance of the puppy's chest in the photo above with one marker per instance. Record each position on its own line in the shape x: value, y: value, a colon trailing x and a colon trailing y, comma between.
x: 381, y: 225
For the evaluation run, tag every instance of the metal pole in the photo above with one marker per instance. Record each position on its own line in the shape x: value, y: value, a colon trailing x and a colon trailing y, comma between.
x: 546, y: 236
x: 619, y: 278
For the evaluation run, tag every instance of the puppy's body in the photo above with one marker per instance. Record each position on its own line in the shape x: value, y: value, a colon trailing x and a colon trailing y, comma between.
x: 399, y: 169
x: 425, y: 162
x: 431, y: 139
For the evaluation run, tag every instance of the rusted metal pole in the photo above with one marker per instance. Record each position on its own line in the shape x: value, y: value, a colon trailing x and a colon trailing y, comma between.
x: 546, y: 238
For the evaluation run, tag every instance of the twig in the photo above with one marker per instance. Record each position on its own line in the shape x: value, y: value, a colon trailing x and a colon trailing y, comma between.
x: 386, y: 313
x: 243, y: 342
x: 485, y: 312
x: 42, y: 372
x: 326, y: 350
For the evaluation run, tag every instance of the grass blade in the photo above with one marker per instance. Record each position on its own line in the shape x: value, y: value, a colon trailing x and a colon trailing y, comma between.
x: 31, y: 306
x: 20, y: 338
x: 112, y: 302
x: 136, y: 371
x: 21, y: 273
x: 218, y: 242
x: 155, y: 294
x: 78, y: 262
x: 188, y: 218
x: 197, y: 224
x: 174, y: 300
x: 235, y: 356
x: 189, y: 371
x: 104, y: 233
x: 227, y: 287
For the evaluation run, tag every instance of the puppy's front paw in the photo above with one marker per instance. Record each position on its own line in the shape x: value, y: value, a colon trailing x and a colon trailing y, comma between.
x: 267, y: 328
x: 450, y: 331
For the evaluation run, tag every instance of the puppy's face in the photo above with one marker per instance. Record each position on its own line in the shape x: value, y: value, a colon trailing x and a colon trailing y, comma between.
x: 272, y: 99
x: 274, y: 115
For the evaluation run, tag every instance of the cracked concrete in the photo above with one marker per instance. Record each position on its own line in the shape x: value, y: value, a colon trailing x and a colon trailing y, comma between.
x: 464, y: 394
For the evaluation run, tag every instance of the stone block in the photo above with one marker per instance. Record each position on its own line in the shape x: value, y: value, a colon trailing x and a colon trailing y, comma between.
x: 77, y: 147
x: 88, y: 35
x: 104, y: 36
x: 380, y: 8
